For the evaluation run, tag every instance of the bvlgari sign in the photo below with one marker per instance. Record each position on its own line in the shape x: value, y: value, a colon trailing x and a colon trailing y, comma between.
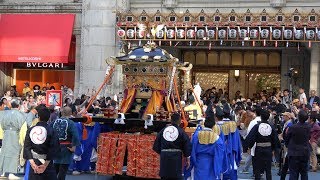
x: 45, y: 65
x: 34, y: 65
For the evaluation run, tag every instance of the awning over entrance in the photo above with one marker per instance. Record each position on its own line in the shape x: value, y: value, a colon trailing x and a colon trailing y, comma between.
x: 35, y: 37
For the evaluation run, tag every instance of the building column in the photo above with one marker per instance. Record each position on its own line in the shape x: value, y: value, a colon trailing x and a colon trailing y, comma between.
x: 77, y: 66
x: 98, y: 42
x: 5, y: 77
x: 314, y: 68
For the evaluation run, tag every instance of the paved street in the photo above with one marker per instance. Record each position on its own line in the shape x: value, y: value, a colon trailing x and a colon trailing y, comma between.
x: 312, y: 176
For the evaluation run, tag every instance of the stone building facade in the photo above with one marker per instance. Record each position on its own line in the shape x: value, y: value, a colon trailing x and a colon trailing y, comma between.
x: 95, y: 30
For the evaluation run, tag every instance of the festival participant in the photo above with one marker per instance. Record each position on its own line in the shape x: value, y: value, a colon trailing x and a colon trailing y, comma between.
x: 171, y: 143
x: 265, y: 138
x: 232, y: 141
x: 194, y: 109
x: 12, y: 132
x: 251, y: 125
x: 88, y: 147
x: 68, y: 139
x: 40, y: 148
x: 297, y: 141
x: 208, y: 155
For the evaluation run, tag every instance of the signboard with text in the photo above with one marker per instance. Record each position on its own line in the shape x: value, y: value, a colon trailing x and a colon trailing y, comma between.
x: 54, y: 97
x: 32, y: 65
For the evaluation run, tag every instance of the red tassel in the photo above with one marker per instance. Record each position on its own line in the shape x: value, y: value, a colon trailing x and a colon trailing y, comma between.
x: 84, y: 132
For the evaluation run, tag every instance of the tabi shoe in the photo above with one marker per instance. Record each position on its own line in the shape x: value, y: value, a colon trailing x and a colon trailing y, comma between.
x: 244, y: 172
x: 76, y: 173
x: 13, y: 177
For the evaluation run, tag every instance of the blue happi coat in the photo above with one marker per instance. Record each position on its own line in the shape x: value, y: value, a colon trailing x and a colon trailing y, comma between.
x: 84, y: 152
x: 208, y: 159
x: 233, y: 149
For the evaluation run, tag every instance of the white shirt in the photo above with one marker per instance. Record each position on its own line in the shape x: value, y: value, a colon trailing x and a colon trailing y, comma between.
x: 253, y: 123
x: 303, y: 98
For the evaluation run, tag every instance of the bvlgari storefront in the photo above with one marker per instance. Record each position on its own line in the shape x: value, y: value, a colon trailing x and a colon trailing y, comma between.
x: 38, y: 48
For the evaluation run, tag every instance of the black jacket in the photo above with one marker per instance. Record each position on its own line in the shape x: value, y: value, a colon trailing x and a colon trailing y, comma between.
x: 297, y: 140
x: 316, y: 99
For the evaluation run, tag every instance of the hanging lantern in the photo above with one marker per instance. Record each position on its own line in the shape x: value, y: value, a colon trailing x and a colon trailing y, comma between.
x: 310, y: 34
x: 276, y: 34
x: 140, y: 34
x: 170, y: 34
x: 243, y: 33
x: 121, y: 33
x: 160, y: 34
x: 200, y: 34
x: 254, y: 33
x: 130, y: 33
x: 264, y: 34
x: 190, y: 34
x: 318, y: 34
x: 180, y: 33
x: 211, y: 34
x: 298, y: 34
x: 287, y: 34
x: 232, y: 33
x: 222, y: 33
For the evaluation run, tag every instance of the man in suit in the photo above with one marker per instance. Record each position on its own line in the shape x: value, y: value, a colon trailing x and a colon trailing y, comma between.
x: 313, y: 98
x: 297, y: 141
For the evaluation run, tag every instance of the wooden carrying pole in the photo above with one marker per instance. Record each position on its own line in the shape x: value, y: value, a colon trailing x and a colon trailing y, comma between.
x: 106, y: 80
x: 184, y: 120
